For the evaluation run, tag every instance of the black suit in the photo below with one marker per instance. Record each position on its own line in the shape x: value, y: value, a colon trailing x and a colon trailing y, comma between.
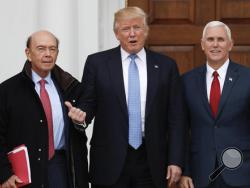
x: 104, y: 98
x: 23, y: 121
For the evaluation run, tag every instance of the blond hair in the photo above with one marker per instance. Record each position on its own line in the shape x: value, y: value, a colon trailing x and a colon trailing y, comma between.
x: 129, y: 13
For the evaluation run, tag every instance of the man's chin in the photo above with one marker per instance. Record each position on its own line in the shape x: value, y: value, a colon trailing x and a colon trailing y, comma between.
x: 134, y: 50
x: 48, y: 68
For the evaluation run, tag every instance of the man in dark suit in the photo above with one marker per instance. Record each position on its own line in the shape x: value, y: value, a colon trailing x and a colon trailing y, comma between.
x: 32, y: 113
x: 125, y: 87
x: 218, y: 104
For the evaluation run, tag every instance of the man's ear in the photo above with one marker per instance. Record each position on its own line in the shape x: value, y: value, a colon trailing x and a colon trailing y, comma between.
x: 117, y: 36
x: 202, y: 44
x: 231, y: 45
x: 27, y: 52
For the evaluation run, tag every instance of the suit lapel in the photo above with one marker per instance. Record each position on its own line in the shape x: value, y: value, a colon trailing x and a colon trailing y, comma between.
x: 202, y: 88
x: 153, y: 68
x: 116, y: 74
x: 231, y: 77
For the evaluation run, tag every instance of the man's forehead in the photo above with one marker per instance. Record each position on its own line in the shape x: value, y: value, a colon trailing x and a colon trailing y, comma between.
x: 216, y: 30
x: 43, y: 39
x: 130, y: 20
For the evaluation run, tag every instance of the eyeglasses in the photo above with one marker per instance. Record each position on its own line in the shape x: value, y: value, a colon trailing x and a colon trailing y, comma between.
x: 43, y: 49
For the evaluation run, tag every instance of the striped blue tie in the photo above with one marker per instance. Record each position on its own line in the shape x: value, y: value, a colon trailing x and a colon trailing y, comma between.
x: 134, y: 104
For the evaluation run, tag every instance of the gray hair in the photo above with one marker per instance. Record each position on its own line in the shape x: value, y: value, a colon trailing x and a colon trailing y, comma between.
x: 217, y: 24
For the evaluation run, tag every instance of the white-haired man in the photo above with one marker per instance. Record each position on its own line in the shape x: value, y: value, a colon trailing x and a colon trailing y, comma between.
x: 217, y: 97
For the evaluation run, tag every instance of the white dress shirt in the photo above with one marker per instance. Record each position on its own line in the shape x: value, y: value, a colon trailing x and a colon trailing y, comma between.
x: 222, y: 71
x: 142, y: 67
x: 57, y: 113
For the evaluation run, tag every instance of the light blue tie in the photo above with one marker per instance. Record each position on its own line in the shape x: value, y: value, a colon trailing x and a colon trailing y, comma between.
x: 134, y: 104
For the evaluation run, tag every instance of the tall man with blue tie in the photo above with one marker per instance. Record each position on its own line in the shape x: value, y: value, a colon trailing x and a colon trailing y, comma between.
x: 218, y: 104
x: 135, y: 96
x: 32, y: 113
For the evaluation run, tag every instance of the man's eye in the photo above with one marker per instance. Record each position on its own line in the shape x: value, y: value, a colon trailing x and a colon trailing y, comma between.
x: 210, y: 39
x: 125, y: 29
x: 137, y: 28
x: 53, y: 49
x: 41, y: 49
x: 221, y: 39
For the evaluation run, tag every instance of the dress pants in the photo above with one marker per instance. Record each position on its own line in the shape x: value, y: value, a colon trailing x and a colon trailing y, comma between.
x: 57, y: 170
x: 135, y: 173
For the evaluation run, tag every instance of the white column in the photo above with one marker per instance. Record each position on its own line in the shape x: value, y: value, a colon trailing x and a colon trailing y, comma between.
x: 18, y: 19
x: 61, y: 18
x: 88, y: 40
x: 107, y: 9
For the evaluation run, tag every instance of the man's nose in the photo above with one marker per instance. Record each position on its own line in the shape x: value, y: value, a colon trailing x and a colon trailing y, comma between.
x: 47, y: 52
x: 215, y: 43
x: 132, y: 31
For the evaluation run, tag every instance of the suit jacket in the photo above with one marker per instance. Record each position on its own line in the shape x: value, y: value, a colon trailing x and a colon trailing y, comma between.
x: 231, y: 128
x: 23, y: 121
x: 104, y: 98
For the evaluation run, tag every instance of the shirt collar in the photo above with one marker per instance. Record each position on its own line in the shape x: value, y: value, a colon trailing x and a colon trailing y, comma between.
x: 221, y: 71
x: 141, y: 54
x: 36, y: 78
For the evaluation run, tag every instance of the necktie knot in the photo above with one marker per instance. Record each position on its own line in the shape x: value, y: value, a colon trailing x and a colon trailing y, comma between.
x: 42, y: 82
x: 215, y: 74
x: 132, y: 57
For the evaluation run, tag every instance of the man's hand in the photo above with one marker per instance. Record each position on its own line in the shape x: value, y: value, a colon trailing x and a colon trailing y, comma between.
x: 76, y: 114
x: 186, y: 182
x: 11, y: 182
x: 173, y: 174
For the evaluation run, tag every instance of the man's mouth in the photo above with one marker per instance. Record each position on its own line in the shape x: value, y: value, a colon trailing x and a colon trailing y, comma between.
x: 47, y: 62
x: 133, y: 41
x: 215, y: 51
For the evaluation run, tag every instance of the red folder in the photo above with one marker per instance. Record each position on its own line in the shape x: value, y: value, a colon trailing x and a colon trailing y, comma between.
x: 19, y: 160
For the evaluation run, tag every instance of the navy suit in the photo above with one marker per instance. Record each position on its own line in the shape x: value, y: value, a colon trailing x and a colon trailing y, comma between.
x: 231, y: 128
x: 104, y: 98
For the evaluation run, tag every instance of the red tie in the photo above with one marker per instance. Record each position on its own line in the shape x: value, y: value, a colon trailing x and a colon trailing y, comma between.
x: 215, y: 94
x: 47, y: 108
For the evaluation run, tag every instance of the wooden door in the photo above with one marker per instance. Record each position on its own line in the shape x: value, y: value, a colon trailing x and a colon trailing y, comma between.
x: 176, y: 27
